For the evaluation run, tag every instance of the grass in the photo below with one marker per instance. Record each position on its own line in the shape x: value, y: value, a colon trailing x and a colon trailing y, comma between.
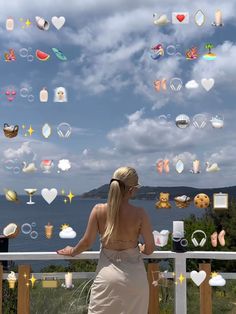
x: 66, y: 301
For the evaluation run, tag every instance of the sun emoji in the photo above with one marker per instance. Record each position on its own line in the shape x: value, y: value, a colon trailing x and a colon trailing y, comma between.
x: 64, y: 226
x: 214, y: 274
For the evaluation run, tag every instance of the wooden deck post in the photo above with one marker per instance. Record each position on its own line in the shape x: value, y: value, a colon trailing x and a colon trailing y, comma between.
x: 154, y: 305
x: 23, y: 299
x: 1, y: 290
x: 206, y: 291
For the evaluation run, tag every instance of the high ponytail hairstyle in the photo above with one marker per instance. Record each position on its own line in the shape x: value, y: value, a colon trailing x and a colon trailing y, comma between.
x: 122, y: 180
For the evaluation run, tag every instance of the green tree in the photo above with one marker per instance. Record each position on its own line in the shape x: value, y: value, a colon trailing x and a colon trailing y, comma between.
x: 209, y: 46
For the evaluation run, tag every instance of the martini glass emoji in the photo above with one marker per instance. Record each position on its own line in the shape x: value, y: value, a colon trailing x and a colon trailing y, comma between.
x: 30, y: 192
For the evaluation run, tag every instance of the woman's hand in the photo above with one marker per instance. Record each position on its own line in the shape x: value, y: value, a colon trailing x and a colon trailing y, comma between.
x: 68, y: 251
x: 141, y: 247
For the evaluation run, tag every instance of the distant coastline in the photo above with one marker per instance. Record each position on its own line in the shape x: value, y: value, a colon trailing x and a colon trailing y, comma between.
x: 152, y: 193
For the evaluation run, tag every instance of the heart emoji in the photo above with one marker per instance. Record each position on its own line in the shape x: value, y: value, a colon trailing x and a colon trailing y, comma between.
x: 58, y: 22
x: 49, y: 195
x: 198, y: 277
x: 207, y: 84
x: 180, y: 17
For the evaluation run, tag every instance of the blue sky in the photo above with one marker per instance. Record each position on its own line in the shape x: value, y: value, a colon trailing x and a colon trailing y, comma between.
x: 112, y: 105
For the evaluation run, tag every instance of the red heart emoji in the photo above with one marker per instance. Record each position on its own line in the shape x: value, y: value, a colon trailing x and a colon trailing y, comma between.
x: 180, y: 17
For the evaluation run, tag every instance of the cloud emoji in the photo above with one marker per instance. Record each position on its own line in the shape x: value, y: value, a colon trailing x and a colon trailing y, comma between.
x: 67, y: 233
x: 217, y: 281
x: 64, y: 164
x: 191, y: 84
x: 161, y: 20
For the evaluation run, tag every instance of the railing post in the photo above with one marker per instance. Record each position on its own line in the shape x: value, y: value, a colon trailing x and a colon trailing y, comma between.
x: 23, y: 299
x: 206, y: 291
x: 1, y: 279
x: 181, y: 287
x: 154, y: 305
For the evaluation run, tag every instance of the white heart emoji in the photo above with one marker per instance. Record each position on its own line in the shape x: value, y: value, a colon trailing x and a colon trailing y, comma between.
x: 207, y: 84
x: 49, y: 195
x: 58, y: 22
x: 198, y: 277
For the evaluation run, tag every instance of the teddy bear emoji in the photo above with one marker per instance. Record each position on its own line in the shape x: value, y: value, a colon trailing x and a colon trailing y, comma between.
x: 163, y: 201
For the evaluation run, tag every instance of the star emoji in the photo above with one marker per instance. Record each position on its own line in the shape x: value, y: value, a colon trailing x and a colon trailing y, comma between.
x: 25, y: 275
x: 181, y: 278
x: 32, y: 279
x: 27, y: 284
x: 30, y: 130
x: 65, y: 200
x: 62, y: 192
x: 28, y: 23
x: 176, y: 283
x: 70, y: 196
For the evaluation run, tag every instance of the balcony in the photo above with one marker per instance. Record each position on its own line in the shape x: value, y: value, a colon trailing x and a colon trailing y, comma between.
x: 205, y: 302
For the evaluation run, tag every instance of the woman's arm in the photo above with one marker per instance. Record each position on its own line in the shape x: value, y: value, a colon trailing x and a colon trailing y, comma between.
x: 146, y: 231
x: 87, y: 240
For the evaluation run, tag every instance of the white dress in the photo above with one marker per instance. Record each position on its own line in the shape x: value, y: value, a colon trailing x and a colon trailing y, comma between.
x: 121, y: 285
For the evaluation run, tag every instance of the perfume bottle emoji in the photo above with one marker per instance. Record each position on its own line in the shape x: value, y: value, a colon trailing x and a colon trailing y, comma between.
x: 10, y: 24
x: 43, y: 95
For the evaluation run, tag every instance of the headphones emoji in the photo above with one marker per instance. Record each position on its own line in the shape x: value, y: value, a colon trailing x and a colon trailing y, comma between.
x: 195, y: 241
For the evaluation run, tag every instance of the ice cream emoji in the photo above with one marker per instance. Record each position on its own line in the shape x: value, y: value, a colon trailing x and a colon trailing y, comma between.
x: 48, y: 230
x: 11, y: 278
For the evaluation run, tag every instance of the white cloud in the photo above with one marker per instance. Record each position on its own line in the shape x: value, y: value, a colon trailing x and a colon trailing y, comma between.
x: 24, y: 149
x: 64, y: 164
x: 152, y: 135
x: 217, y: 281
x: 191, y: 84
x: 67, y: 233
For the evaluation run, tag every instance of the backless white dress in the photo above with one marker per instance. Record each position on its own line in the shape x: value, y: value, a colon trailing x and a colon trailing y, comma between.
x: 121, y: 285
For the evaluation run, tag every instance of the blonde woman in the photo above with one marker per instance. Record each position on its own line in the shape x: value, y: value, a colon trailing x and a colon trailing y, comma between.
x: 121, y: 285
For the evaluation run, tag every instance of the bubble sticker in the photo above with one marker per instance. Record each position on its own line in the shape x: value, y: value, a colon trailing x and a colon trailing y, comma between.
x: 9, y: 164
x: 30, y: 58
x: 24, y: 92
x: 23, y: 52
x: 26, y: 54
x: 34, y: 235
x: 26, y: 228
x: 31, y: 98
x: 33, y: 224
x: 184, y: 242
x: 16, y: 170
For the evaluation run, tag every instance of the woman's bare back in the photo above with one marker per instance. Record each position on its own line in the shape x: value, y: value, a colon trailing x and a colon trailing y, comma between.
x: 128, y: 229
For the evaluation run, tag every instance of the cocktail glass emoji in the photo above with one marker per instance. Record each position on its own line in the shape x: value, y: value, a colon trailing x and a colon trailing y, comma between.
x: 46, y: 165
x: 48, y: 230
x: 30, y: 192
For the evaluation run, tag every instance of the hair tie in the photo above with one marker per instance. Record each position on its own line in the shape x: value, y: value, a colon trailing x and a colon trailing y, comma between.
x: 119, y: 181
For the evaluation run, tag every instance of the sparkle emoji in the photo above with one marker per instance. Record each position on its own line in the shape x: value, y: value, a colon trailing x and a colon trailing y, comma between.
x: 70, y: 196
x: 25, y: 23
x: 181, y: 278
x: 33, y: 280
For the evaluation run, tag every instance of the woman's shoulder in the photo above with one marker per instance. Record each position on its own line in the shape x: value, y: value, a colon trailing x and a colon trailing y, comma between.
x: 100, y: 207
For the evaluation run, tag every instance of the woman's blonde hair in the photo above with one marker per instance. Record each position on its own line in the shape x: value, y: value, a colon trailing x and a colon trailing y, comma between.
x: 122, y: 180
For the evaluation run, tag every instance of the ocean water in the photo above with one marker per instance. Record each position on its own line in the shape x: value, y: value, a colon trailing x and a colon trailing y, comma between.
x: 76, y: 215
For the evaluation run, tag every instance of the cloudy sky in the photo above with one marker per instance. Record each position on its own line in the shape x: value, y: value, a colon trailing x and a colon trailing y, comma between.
x: 117, y: 116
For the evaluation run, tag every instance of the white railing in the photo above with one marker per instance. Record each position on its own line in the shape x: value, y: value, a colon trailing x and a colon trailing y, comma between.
x: 179, y: 259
